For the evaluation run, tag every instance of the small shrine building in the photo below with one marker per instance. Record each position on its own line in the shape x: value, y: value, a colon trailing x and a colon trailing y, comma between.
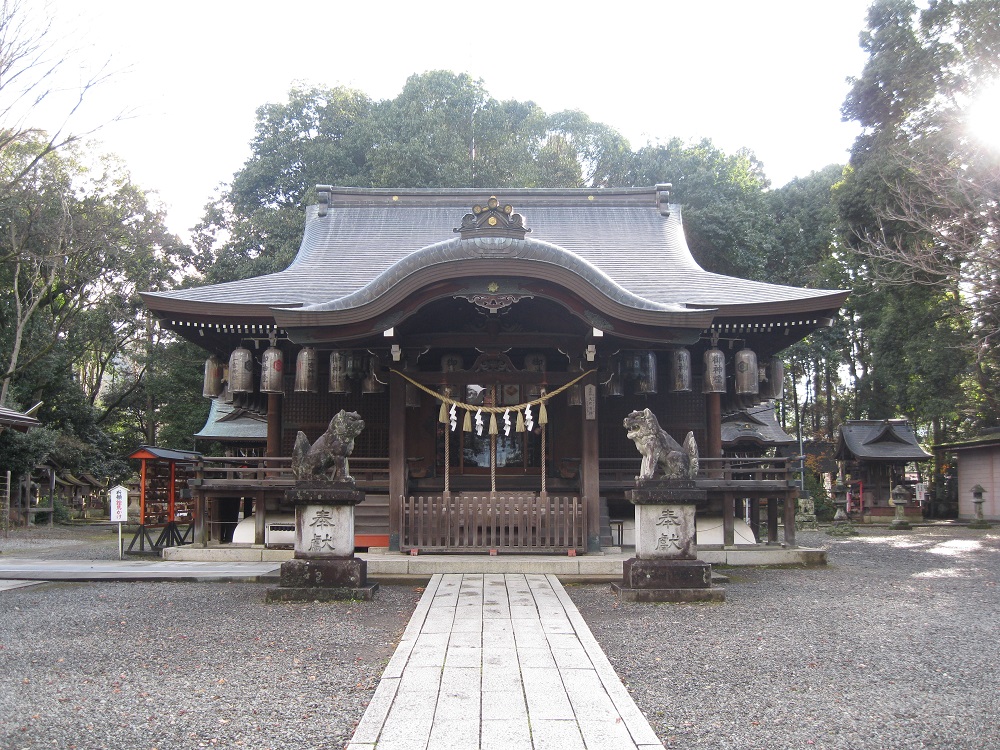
x: 493, y: 343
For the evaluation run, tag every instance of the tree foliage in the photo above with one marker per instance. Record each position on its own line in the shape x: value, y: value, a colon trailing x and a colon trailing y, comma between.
x: 445, y: 130
x: 920, y: 207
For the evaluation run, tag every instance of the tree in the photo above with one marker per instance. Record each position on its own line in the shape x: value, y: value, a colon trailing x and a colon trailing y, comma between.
x: 30, y: 65
x: 920, y: 200
x: 726, y: 214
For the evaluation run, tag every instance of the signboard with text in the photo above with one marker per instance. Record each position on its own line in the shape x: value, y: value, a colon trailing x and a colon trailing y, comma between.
x: 119, y: 504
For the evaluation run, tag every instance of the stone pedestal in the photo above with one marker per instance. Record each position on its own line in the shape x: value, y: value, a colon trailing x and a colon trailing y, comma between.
x: 324, y: 568
x: 806, y: 517
x: 666, y: 568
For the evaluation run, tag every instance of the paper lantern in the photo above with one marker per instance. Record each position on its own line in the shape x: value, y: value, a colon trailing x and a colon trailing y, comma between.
x: 534, y: 362
x: 369, y: 382
x: 776, y: 379
x: 241, y: 371
x: 747, y: 380
x: 272, y: 371
x: 680, y: 371
x: 306, y: 380
x: 339, y: 382
x: 715, y: 372
x: 645, y: 383
x: 212, y: 386
x: 613, y: 385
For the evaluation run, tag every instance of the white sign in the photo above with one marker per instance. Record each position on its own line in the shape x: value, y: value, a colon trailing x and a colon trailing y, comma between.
x: 119, y: 504
x: 590, y: 401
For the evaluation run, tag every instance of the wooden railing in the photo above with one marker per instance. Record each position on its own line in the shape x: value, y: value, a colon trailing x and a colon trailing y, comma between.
x: 225, y: 472
x: 717, y: 473
x: 519, y: 523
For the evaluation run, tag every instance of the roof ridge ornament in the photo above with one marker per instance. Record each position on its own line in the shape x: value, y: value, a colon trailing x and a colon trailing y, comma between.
x: 493, y: 220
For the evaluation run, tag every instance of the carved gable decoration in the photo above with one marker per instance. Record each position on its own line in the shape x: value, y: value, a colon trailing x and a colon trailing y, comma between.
x: 493, y: 220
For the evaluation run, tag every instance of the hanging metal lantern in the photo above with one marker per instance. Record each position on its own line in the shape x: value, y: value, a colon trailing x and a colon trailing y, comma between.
x: 776, y: 378
x: 412, y: 396
x: 411, y: 392
x: 241, y: 371
x: 645, y: 384
x: 747, y: 383
x: 369, y: 382
x: 451, y: 363
x: 574, y: 394
x: 613, y: 386
x: 339, y: 382
x: 272, y: 371
x: 715, y: 371
x: 534, y: 362
x: 305, y: 371
x: 680, y: 371
x: 213, y: 378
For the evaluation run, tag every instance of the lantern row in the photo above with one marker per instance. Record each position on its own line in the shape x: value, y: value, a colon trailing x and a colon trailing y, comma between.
x: 750, y: 378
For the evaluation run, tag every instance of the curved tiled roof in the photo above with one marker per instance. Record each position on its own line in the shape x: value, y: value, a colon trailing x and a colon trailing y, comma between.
x: 619, y: 240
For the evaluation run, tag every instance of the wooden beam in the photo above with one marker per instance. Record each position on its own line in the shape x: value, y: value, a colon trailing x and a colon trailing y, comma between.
x: 590, y: 474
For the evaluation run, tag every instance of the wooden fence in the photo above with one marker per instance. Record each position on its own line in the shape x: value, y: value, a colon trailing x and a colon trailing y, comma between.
x: 509, y: 523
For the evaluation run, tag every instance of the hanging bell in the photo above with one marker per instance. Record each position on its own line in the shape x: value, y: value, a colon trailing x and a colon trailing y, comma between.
x: 747, y: 380
x: 680, y: 371
x: 645, y: 384
x: 241, y: 371
x: 213, y: 378
x: 715, y: 371
x: 339, y: 382
x: 272, y: 371
x: 305, y: 371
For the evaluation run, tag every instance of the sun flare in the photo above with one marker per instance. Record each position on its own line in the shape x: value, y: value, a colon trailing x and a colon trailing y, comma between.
x: 984, y: 116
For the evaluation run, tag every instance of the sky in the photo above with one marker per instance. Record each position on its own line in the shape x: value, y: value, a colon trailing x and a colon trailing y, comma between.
x: 770, y: 76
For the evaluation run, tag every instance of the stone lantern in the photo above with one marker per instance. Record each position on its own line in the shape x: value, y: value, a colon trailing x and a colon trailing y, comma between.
x: 900, y: 495
x: 842, y: 525
x: 979, y: 520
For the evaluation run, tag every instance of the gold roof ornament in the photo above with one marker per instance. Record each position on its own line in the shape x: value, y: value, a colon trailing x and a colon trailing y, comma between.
x: 493, y: 220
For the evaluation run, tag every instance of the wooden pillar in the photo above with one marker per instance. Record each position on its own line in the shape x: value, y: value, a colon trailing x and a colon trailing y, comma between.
x: 791, y: 501
x: 772, y: 520
x: 273, y: 425
x: 713, y: 426
x: 199, y: 520
x: 728, y: 519
x: 590, y: 467
x: 397, y: 456
x: 755, y: 517
x: 273, y: 450
x: 259, y: 518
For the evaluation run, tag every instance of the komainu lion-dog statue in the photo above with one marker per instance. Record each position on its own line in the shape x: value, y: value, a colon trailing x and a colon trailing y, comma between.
x: 660, y: 452
x: 326, y: 459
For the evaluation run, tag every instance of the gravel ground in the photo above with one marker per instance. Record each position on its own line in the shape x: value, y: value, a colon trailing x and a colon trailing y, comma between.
x: 136, y: 665
x: 77, y: 542
x: 894, y: 645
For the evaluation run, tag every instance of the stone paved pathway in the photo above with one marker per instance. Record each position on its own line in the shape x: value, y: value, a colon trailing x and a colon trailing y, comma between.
x: 500, y: 661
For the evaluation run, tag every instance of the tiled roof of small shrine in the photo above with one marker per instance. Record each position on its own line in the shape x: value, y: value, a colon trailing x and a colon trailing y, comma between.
x: 879, y: 440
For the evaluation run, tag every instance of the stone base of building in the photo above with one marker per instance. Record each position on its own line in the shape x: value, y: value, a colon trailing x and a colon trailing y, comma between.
x: 660, y: 580
x: 323, y: 580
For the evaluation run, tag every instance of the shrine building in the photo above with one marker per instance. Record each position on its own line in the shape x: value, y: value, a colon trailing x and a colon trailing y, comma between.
x: 492, y: 342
